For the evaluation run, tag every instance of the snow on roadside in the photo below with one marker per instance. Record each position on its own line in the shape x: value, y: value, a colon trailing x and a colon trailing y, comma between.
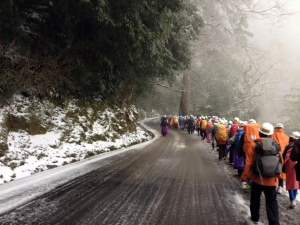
x: 67, y: 139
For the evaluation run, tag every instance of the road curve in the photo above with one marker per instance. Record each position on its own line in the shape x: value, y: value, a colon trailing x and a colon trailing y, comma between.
x: 177, y: 179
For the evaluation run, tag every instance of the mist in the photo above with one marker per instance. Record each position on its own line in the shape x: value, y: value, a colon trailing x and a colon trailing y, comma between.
x: 245, y: 63
x: 284, y: 32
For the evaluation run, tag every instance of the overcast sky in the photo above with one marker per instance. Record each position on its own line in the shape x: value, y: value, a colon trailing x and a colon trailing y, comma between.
x: 287, y: 32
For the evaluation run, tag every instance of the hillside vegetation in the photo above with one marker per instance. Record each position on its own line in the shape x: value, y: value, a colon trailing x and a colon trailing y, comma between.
x: 108, y: 50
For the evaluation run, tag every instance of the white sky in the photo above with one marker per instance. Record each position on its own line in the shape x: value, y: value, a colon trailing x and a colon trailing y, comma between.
x: 287, y: 32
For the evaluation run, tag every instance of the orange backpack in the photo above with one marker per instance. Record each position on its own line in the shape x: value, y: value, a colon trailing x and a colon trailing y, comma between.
x: 251, y: 133
x: 221, y: 132
x: 203, y: 124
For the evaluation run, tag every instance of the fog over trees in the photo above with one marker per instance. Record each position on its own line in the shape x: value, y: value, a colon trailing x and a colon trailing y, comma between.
x: 236, y: 69
x: 200, y: 57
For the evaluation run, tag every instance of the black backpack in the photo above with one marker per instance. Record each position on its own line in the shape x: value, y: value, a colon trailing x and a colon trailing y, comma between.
x: 268, y: 159
x: 164, y: 122
x: 191, y: 122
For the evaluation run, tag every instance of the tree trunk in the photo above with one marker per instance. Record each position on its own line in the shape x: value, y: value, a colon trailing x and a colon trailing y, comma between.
x: 185, y: 96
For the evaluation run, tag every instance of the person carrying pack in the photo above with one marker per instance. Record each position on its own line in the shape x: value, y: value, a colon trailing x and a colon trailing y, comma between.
x: 221, y: 137
x: 263, y: 173
x: 282, y: 139
x: 203, y: 128
x: 295, y: 157
x: 236, y: 142
x: 231, y: 132
x: 291, y: 184
x: 268, y: 160
x: 164, y: 126
x: 191, y: 124
x: 164, y: 121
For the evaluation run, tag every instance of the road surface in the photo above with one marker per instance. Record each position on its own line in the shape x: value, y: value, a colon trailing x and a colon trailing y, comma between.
x: 176, y: 179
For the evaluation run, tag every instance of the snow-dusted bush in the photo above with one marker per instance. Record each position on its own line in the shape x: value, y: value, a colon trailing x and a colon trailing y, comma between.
x: 38, y: 135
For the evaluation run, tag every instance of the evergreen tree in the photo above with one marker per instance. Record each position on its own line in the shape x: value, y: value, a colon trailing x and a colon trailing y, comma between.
x: 96, y: 47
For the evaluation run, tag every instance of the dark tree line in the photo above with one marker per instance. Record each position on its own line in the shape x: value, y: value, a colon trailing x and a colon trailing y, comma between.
x: 111, y: 49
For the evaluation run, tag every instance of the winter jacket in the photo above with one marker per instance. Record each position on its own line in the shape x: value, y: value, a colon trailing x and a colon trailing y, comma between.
x: 249, y: 161
x: 291, y: 182
x: 233, y: 129
x: 237, y: 141
x: 295, y: 156
x: 281, y: 138
x: 208, y: 127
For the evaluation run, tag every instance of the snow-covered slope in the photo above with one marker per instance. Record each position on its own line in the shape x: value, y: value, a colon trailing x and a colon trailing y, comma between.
x: 36, y: 136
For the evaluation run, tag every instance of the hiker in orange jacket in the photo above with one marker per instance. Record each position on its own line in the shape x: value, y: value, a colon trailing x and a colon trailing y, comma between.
x: 283, y: 140
x: 267, y: 185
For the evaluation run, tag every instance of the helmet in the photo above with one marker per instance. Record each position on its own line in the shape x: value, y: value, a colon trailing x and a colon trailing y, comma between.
x: 236, y: 119
x: 295, y: 135
x: 230, y: 122
x: 252, y: 121
x: 279, y: 125
x: 267, y: 129
x: 242, y: 123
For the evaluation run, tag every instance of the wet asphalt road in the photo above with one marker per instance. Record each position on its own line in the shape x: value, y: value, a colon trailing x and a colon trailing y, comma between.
x: 177, y: 179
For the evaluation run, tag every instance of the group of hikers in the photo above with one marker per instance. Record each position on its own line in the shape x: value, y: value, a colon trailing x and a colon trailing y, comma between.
x: 263, y: 155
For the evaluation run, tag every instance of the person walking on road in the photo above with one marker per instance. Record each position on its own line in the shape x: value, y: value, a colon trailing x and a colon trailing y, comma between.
x: 282, y: 139
x: 292, y: 185
x: 295, y: 157
x: 221, y: 137
x: 164, y: 126
x: 190, y: 124
x: 208, y: 131
x: 260, y: 183
x: 213, y: 133
x: 231, y: 132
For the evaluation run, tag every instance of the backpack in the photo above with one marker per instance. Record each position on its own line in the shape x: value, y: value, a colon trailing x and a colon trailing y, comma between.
x: 191, y: 122
x: 233, y: 129
x: 164, y: 122
x: 203, y: 124
x: 251, y: 133
x: 221, y: 134
x: 239, y: 142
x: 268, y: 159
x: 199, y: 124
x: 213, y: 129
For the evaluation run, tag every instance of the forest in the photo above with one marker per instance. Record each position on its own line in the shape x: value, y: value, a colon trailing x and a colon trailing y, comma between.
x: 172, y: 56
